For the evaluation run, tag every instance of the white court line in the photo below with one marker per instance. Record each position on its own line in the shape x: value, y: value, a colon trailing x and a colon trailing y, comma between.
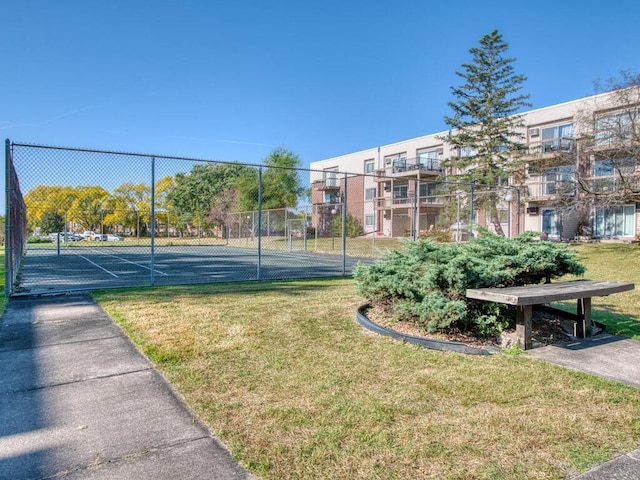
x: 94, y: 263
x: 132, y: 263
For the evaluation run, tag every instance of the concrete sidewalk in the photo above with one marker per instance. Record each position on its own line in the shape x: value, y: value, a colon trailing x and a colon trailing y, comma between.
x: 604, y: 355
x: 607, y: 356
x: 77, y: 400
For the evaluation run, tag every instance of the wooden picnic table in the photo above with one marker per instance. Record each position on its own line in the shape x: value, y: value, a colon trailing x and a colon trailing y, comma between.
x: 524, y: 298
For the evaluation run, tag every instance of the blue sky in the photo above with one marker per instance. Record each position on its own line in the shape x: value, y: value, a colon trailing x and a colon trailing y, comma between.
x: 231, y: 80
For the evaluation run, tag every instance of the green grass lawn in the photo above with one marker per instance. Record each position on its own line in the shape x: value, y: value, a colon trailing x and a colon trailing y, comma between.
x: 284, y: 376
x: 616, y: 262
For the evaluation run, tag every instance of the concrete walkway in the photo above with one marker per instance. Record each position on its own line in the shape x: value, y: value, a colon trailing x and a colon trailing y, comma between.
x: 78, y: 400
x: 607, y: 356
x: 604, y: 355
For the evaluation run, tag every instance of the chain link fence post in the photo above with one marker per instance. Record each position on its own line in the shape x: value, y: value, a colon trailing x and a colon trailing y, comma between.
x: 153, y: 219
x: 259, y: 222
x: 8, y: 286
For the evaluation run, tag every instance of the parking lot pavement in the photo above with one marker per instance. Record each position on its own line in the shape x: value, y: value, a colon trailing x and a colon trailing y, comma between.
x: 77, y: 399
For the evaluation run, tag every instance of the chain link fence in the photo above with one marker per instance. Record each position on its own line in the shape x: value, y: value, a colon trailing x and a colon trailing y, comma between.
x: 81, y: 219
x: 15, y: 235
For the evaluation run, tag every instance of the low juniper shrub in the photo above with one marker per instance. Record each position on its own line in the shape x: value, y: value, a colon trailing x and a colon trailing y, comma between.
x: 427, y: 284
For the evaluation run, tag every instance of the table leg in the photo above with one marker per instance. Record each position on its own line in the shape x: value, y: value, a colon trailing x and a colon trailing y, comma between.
x: 523, y: 325
x: 584, y: 317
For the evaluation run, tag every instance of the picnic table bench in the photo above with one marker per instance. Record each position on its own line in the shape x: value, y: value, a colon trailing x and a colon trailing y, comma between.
x: 524, y: 298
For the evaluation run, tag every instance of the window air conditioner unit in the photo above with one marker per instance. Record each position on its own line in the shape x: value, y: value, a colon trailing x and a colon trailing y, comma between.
x: 534, y: 132
x: 387, y: 161
x: 440, y: 151
x: 387, y: 186
x: 533, y: 210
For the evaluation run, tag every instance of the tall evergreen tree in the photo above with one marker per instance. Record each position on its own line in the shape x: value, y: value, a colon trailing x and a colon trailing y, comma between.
x: 485, y: 128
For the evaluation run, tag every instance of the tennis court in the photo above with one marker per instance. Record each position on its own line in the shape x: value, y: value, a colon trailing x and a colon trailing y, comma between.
x: 174, y: 220
x: 95, y: 266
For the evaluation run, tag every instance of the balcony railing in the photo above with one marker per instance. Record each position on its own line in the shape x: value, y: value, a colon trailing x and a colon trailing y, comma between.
x: 553, y: 146
x: 548, y: 189
x: 428, y: 166
x: 327, y: 184
x: 408, y: 201
x: 412, y: 166
x: 629, y: 183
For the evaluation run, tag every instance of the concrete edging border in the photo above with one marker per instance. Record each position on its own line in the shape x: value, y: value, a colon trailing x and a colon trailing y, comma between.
x: 425, y: 342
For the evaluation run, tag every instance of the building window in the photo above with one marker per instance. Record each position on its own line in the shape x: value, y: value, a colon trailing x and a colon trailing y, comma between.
x: 397, y: 162
x: 331, y: 197
x: 401, y: 193
x: 603, y: 168
x: 616, y: 127
x: 551, y: 223
x: 607, y: 167
x: 369, y: 220
x: 428, y: 192
x: 467, y: 152
x: 615, y: 221
x: 370, y: 193
x: 429, y: 159
x: 557, y: 138
x: 559, y: 180
x: 369, y: 166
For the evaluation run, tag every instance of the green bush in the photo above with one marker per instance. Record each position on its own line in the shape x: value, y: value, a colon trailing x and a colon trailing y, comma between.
x: 37, y: 239
x: 353, y: 227
x: 427, y: 284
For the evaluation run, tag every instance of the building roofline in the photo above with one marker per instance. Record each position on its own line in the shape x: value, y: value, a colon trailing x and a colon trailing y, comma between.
x: 377, y: 148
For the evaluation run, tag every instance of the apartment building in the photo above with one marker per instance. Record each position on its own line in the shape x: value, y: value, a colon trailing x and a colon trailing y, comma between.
x: 580, y: 178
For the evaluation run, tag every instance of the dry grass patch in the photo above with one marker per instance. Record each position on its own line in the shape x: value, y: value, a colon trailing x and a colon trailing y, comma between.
x: 285, y: 377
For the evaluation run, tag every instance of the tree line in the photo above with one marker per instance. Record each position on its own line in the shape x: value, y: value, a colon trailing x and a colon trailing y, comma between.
x: 201, y: 198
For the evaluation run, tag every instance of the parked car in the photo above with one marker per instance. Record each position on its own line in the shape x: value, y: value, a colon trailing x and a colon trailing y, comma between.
x: 113, y: 238
x: 94, y: 236
x: 65, y: 237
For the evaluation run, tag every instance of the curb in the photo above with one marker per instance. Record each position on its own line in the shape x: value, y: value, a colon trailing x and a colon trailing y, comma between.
x: 424, y: 342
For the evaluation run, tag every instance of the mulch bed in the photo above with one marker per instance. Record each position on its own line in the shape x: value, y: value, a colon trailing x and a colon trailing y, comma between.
x: 547, y: 329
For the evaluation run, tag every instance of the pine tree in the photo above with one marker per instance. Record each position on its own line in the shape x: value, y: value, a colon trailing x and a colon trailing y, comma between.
x: 486, y: 130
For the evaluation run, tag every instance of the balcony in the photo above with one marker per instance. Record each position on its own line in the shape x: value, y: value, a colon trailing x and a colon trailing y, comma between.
x: 553, y: 146
x: 550, y: 190
x: 328, y: 184
x: 328, y: 208
x: 407, y: 201
x: 432, y: 166
x: 614, y: 185
x: 411, y: 167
